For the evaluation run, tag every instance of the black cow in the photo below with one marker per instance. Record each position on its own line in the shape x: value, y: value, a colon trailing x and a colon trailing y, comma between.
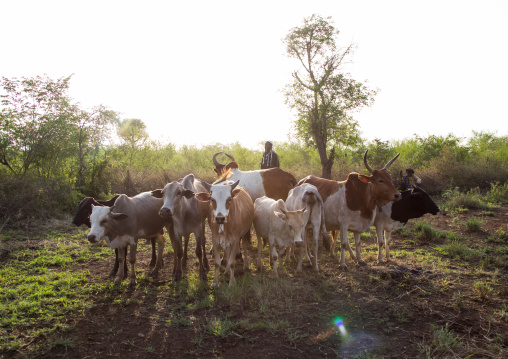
x: 83, y: 217
x: 413, y: 204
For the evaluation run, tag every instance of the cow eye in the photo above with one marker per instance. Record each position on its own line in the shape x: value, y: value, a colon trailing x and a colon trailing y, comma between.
x: 229, y: 200
x: 103, y: 222
x: 290, y: 228
x: 380, y: 181
x: 179, y: 193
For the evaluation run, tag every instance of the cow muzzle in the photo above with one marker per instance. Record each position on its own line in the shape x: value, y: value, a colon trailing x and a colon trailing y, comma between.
x: 298, y: 243
x: 92, y: 238
x: 397, y: 196
x: 165, y: 212
x: 220, y: 219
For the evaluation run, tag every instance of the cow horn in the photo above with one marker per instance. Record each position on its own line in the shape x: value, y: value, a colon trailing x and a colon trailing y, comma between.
x: 214, y: 159
x: 371, y: 170
x: 112, y: 208
x: 230, y: 157
x: 391, y: 161
x: 206, y: 185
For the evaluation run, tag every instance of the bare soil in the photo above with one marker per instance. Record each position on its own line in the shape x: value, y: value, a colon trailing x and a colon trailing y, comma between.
x: 388, y: 310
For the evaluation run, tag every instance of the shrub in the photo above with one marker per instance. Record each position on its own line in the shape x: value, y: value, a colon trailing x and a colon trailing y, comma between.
x: 474, y: 224
x: 498, y: 193
x: 469, y: 200
x: 426, y: 231
x: 483, y: 289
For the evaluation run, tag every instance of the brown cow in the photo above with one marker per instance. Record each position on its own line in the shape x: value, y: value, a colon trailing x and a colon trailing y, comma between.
x: 273, y: 182
x: 351, y: 205
x: 231, y: 216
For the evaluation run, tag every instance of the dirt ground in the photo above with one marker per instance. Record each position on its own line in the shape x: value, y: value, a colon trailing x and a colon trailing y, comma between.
x: 388, y: 310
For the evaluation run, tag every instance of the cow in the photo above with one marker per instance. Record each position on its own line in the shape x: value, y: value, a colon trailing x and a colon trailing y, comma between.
x: 413, y: 204
x: 83, y: 217
x: 281, y: 227
x: 273, y: 182
x: 187, y: 215
x: 350, y: 205
x: 307, y: 195
x: 121, y: 225
x: 231, y: 212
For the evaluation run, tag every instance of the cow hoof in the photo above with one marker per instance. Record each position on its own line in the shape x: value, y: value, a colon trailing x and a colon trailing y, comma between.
x: 118, y: 280
x: 215, y: 285
x: 223, y: 262
x: 381, y: 262
x: 152, y: 263
x: 112, y: 274
x: 132, y: 286
x: 177, y: 278
x: 316, y: 269
x: 362, y: 263
x: 154, y: 273
x: 344, y: 267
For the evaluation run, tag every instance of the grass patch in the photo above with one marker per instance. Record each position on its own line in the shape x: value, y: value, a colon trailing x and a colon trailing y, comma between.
x: 441, y: 343
x: 37, y: 295
x: 470, y: 200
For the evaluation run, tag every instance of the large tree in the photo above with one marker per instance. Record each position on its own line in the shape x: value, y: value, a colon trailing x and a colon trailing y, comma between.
x: 322, y: 95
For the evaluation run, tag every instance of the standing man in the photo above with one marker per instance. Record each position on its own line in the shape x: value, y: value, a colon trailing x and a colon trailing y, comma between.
x: 270, y: 158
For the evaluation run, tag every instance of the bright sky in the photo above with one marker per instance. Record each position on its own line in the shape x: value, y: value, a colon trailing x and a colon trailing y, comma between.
x: 201, y: 72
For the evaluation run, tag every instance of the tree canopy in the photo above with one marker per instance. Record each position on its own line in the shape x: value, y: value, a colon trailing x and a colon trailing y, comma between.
x: 322, y: 95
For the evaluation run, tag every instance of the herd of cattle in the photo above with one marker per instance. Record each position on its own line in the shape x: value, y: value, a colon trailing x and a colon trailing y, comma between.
x: 285, y: 213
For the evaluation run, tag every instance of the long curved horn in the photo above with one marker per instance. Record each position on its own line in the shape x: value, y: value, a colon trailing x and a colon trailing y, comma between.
x: 371, y: 170
x: 214, y: 159
x: 230, y: 157
x: 391, y: 161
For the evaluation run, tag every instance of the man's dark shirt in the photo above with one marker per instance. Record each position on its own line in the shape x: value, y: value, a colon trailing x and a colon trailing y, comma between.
x: 269, y: 160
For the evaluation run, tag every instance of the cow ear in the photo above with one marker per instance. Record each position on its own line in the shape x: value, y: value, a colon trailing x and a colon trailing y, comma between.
x: 119, y: 216
x: 157, y: 193
x: 280, y: 215
x: 188, y: 193
x: 202, y: 196
x: 363, y: 178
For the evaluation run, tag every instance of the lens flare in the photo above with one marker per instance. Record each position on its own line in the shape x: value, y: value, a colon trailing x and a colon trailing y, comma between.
x: 340, y: 324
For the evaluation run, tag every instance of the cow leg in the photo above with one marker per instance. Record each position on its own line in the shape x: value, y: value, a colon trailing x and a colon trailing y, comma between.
x: 358, y: 247
x: 281, y: 256
x: 344, y: 243
x: 303, y: 248
x: 160, y: 250
x: 132, y: 261
x: 388, y: 237
x: 114, y: 271
x: 260, y: 246
x: 332, y: 247
x: 232, y: 261
x: 246, y: 240
x: 216, y: 253
x: 315, y: 237
x: 380, y: 243
x: 199, y: 254
x: 273, y: 259
x: 154, y: 253
x: 185, y: 247
x: 121, y: 261
x: 203, y: 246
x: 178, y: 253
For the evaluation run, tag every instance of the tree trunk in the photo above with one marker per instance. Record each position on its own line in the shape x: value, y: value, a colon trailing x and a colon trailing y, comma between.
x: 327, y: 165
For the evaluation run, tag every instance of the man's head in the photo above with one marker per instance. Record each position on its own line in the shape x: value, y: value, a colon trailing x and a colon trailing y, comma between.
x: 268, y: 146
x: 409, y: 172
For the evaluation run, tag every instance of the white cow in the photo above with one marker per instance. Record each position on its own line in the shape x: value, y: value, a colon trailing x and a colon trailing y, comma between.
x: 281, y: 227
x: 307, y: 195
